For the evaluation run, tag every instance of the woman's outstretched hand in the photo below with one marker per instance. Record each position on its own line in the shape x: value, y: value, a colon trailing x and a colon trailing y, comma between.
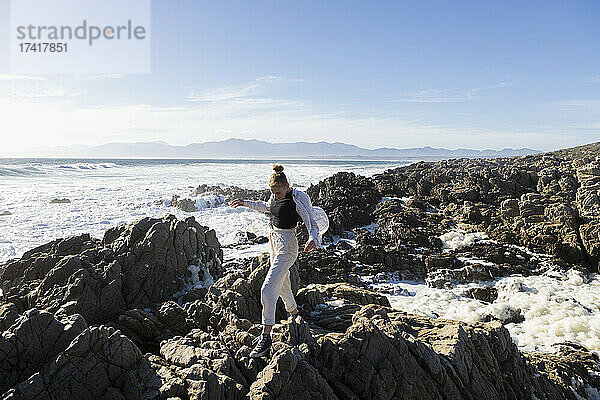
x: 236, y: 203
x: 310, y: 245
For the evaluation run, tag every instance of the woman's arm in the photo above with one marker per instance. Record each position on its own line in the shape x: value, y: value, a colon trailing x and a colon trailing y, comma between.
x: 257, y: 205
x: 304, y: 208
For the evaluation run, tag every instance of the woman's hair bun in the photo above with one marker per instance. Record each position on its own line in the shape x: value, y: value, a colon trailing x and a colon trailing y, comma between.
x: 278, y: 168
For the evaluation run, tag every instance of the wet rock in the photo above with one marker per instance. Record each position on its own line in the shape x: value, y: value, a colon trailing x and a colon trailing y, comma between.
x: 588, y: 202
x: 531, y: 207
x: 247, y: 238
x: 403, y: 226
x: 195, y: 293
x: 343, y: 245
x: 509, y: 209
x: 443, y: 260
x: 187, y: 205
x: 244, y: 238
x: 348, y: 199
x: 365, y: 237
x: 471, y: 212
x: 323, y: 266
x: 417, y: 203
x: 315, y: 294
x: 526, y: 200
x: 446, y: 278
x: 144, y: 328
x: 232, y: 192
x: 506, y: 315
x: 332, y: 306
x: 487, y: 294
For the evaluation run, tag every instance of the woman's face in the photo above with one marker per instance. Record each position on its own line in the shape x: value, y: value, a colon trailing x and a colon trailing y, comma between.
x: 279, y: 191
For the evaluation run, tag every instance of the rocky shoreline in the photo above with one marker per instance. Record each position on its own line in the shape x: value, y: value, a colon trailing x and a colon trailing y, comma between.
x: 151, y: 312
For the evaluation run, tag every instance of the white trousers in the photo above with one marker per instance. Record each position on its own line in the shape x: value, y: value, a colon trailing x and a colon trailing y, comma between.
x: 284, y: 251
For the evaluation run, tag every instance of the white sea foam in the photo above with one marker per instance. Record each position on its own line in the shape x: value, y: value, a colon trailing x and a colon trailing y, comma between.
x: 213, y: 201
x: 192, y: 279
x: 105, y: 194
x: 196, y: 281
x: 458, y: 239
x: 557, y: 306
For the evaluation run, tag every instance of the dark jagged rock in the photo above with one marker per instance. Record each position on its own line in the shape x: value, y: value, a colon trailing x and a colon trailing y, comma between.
x: 222, y: 195
x: 400, y: 225
x: 147, y: 329
x: 571, y: 359
x: 243, y: 238
x: 588, y: 203
x: 135, y: 266
x: 232, y: 192
x: 487, y: 294
x: 386, y: 354
x: 546, y: 202
x: 348, y: 199
x: 8, y: 315
x: 323, y: 266
x: 60, y: 201
x: 99, y: 363
x: 289, y: 376
x: 184, y: 204
x: 209, y: 368
x: 32, y: 342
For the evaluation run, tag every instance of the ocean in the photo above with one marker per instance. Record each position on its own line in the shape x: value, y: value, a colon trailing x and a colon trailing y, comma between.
x: 557, y: 306
x: 108, y: 192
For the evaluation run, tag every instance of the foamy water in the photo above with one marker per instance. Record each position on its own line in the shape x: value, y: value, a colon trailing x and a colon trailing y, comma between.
x: 557, y: 306
x: 105, y: 193
x: 458, y: 239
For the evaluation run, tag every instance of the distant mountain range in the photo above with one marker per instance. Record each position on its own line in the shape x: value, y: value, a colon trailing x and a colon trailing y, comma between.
x: 256, y: 149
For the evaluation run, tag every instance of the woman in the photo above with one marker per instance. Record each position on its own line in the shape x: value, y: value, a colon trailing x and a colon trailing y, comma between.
x: 287, y: 207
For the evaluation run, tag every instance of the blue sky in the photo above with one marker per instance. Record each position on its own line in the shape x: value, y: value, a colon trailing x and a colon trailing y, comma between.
x: 473, y: 74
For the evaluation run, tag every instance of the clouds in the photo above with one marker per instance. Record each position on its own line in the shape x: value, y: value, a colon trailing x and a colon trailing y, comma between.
x: 12, y: 77
x: 48, y: 88
x: 449, y: 95
x: 246, y: 91
x: 30, y: 87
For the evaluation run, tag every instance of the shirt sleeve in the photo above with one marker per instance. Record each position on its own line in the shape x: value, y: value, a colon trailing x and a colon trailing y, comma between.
x: 309, y: 218
x: 259, y: 205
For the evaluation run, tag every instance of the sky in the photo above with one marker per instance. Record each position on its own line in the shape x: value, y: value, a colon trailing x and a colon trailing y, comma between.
x: 454, y: 74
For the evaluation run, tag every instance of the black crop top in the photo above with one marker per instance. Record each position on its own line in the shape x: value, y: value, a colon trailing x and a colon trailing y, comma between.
x: 283, y: 212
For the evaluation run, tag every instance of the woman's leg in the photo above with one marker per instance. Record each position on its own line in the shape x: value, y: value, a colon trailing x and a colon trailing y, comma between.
x: 286, y: 293
x: 278, y: 277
